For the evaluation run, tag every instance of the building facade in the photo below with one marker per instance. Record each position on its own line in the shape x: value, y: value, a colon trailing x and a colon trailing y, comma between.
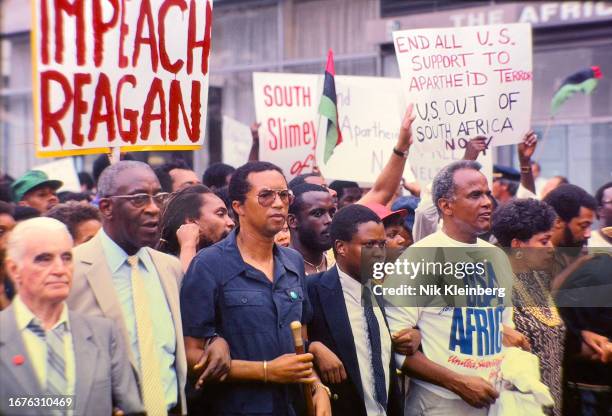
x: 294, y: 35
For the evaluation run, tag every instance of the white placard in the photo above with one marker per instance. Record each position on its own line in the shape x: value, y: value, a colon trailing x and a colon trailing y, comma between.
x: 130, y: 74
x: 62, y: 170
x: 427, y: 163
x: 286, y: 106
x: 237, y: 141
x: 370, y: 112
x: 467, y: 82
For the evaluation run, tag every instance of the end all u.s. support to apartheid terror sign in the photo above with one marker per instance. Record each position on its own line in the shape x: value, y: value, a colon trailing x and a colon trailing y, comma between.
x: 467, y: 82
x: 120, y: 73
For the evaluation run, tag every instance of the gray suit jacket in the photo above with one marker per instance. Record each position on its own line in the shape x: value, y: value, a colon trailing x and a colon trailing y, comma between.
x: 93, y: 293
x: 103, y: 377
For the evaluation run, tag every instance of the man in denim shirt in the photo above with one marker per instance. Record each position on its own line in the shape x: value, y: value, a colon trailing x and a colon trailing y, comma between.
x: 248, y: 290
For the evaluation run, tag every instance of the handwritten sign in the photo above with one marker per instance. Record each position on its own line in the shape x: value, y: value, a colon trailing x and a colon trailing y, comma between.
x: 286, y: 107
x: 371, y: 111
x: 236, y: 143
x: 467, y: 82
x: 129, y: 74
x: 426, y: 164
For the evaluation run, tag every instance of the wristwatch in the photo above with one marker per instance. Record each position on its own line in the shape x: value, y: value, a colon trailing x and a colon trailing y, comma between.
x: 400, y: 154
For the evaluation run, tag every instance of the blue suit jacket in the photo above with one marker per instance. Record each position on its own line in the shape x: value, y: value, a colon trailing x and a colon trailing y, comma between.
x: 330, y: 326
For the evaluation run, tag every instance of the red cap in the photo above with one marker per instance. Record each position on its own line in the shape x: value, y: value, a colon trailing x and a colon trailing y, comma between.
x: 383, y: 212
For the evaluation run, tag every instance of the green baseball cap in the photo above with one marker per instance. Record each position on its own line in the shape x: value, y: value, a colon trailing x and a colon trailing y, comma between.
x: 30, y: 180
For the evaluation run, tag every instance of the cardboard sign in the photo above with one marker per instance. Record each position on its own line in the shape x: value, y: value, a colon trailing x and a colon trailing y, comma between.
x: 129, y: 74
x: 426, y: 164
x: 370, y: 113
x: 286, y: 106
x: 370, y: 109
x: 236, y: 142
x: 467, y: 82
x: 62, y: 170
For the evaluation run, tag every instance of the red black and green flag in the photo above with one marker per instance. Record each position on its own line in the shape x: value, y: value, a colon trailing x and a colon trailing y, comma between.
x: 583, y: 81
x: 329, y: 109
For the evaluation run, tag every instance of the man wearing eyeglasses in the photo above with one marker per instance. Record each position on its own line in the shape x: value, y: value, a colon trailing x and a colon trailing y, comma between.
x: 248, y: 290
x: 119, y: 276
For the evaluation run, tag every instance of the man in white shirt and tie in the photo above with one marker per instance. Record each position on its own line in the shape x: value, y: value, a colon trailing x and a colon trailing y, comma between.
x: 348, y: 333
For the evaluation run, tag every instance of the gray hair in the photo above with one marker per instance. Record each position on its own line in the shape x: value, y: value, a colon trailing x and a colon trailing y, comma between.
x: 444, y: 184
x: 107, y: 183
x: 28, y: 229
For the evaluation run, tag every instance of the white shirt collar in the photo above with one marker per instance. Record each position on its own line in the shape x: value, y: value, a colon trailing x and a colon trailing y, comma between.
x: 349, y: 285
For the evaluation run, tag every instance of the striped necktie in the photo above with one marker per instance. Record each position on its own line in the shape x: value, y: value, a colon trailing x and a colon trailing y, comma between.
x: 56, y: 363
x: 150, y: 377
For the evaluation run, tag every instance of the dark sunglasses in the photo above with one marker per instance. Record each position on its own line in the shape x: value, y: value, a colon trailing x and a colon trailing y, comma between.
x: 140, y: 200
x: 266, y: 197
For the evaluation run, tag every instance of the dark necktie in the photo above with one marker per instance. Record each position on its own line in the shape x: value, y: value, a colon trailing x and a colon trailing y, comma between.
x: 375, y: 347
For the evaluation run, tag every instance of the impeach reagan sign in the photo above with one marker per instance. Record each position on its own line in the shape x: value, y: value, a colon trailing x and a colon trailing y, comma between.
x: 467, y: 82
x: 117, y: 73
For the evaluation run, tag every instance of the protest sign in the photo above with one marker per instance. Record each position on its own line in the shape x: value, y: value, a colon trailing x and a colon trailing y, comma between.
x: 467, y: 82
x: 370, y: 112
x: 62, y: 170
x: 236, y: 142
x: 120, y: 74
x: 286, y: 107
x: 370, y: 109
x: 426, y: 164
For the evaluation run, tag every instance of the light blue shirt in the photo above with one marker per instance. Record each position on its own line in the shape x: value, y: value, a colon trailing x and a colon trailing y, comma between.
x: 163, y: 326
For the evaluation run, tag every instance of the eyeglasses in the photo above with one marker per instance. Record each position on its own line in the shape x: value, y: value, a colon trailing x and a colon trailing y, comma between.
x: 267, y: 197
x: 140, y: 200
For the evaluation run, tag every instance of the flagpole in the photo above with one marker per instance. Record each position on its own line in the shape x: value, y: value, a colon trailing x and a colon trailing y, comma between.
x: 316, y: 148
x: 545, y: 134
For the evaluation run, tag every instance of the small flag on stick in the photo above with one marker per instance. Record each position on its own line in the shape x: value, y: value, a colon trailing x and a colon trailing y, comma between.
x: 583, y: 81
x: 328, y: 108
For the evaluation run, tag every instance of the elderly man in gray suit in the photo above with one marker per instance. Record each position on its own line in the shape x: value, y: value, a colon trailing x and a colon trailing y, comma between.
x: 64, y: 362
x: 118, y: 276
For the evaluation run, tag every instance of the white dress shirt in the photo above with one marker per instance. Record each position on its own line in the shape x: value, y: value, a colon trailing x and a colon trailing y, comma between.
x: 351, y: 289
x: 37, y: 348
